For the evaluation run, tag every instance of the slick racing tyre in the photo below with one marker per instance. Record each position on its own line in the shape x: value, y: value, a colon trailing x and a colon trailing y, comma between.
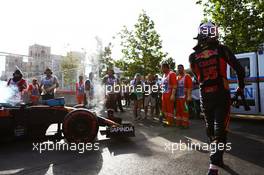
x: 79, y: 126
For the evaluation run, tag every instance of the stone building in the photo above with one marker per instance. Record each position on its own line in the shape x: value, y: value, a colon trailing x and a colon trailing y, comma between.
x: 39, y: 59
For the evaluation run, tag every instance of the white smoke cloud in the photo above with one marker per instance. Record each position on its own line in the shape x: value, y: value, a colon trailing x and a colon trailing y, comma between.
x: 93, y: 64
x: 9, y: 94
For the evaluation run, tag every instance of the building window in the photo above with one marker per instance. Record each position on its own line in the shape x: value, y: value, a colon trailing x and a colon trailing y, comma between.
x: 43, y: 53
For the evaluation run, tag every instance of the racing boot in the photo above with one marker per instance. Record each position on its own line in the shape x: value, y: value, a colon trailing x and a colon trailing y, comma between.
x: 212, y: 172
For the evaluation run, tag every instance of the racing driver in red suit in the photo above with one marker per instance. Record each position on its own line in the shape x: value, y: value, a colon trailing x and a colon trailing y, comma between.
x: 209, y: 64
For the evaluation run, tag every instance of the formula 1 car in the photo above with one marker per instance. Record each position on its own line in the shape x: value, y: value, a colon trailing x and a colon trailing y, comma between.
x: 75, y: 124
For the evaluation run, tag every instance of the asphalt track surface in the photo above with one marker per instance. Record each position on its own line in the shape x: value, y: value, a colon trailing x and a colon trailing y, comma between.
x: 152, y: 151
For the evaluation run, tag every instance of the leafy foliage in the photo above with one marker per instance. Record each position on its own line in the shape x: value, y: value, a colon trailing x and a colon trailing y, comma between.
x: 70, y: 65
x: 171, y: 62
x: 242, y: 22
x: 141, y: 48
x: 107, y: 56
x: 104, y: 56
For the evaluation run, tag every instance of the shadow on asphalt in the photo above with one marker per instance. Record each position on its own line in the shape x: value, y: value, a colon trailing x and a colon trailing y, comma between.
x: 230, y: 170
x: 119, y: 146
x: 243, y: 146
x: 249, y: 147
x: 20, y: 157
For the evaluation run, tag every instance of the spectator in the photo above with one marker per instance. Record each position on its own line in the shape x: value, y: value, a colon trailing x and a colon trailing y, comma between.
x: 119, y: 96
x: 126, y: 93
x: 158, y: 98
x: 33, y: 91
x: 150, y: 95
x: 18, y: 81
x: 80, y: 91
x: 48, y: 85
x: 137, y: 95
x: 20, y: 84
x: 89, y: 90
x: 110, y: 81
x: 194, y: 106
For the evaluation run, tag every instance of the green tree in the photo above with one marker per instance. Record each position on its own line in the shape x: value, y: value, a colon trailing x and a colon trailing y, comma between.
x: 171, y: 63
x: 97, y: 58
x: 102, y: 59
x: 107, y: 56
x: 141, y: 48
x: 70, y: 65
x: 241, y: 22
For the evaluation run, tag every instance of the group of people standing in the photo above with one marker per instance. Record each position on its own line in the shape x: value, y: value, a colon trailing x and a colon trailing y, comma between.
x: 85, y: 90
x: 164, y: 98
x: 36, y: 91
x: 177, y: 89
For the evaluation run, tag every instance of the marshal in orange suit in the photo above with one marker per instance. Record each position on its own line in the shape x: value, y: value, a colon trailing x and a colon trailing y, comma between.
x: 169, y: 84
x: 183, y: 96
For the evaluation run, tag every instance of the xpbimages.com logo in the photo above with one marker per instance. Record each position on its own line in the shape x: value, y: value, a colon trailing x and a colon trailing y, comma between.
x: 62, y: 146
x: 190, y: 146
x: 214, y: 31
x: 146, y: 89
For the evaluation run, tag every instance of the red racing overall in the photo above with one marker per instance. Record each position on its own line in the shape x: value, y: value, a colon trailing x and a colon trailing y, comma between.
x: 209, y: 64
x: 168, y: 81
